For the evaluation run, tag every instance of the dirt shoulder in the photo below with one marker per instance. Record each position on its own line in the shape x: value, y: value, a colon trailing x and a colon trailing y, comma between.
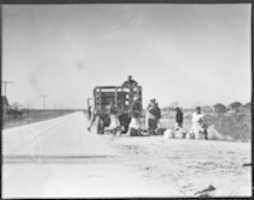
x: 190, y: 165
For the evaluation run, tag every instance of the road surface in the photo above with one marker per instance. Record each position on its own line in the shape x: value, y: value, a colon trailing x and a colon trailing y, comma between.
x: 59, y: 158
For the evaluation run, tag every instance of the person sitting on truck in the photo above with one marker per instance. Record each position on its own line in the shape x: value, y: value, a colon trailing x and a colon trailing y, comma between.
x: 136, y: 113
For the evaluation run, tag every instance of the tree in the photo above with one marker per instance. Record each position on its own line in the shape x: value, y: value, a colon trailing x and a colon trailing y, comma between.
x: 235, y: 105
x: 207, y: 109
x: 174, y: 104
x: 220, y: 108
x: 247, y: 105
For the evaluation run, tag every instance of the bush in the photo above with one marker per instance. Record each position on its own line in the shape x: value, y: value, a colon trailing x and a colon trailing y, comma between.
x: 220, y: 108
x: 247, y: 105
x: 235, y: 105
x: 236, y: 126
x: 207, y: 109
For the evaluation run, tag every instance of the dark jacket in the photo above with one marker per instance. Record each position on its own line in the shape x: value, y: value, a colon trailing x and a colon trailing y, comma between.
x: 179, y: 116
x: 156, y: 111
x: 136, y: 109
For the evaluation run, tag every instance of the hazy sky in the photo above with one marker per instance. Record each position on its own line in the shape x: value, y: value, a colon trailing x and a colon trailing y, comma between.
x: 193, y: 54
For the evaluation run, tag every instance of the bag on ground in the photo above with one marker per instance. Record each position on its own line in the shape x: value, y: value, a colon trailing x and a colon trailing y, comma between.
x: 169, y: 133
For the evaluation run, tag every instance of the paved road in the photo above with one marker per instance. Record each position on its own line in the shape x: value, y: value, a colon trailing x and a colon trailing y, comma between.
x: 59, y: 158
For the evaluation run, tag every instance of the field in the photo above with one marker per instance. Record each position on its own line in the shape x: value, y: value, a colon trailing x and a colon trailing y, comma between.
x: 32, y: 115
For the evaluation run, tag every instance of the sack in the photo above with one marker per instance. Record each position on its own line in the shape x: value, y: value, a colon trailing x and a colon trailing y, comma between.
x: 190, y: 135
x: 135, y: 132
x: 169, y: 134
x: 179, y: 134
x: 160, y: 131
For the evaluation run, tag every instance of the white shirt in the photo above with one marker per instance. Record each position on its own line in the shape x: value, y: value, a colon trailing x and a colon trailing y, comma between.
x: 135, y: 123
x: 114, y: 122
x: 196, y: 118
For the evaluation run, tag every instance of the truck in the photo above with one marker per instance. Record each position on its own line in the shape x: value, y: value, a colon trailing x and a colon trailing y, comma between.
x: 121, y: 97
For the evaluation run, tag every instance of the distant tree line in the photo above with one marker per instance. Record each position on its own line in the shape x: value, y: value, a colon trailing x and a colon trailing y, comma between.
x: 234, y: 106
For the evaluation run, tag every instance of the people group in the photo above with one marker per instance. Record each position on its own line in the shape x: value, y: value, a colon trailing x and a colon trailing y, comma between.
x: 151, y: 125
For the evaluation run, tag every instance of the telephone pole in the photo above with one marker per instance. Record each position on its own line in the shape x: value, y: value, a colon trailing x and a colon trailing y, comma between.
x: 5, y: 83
x: 44, y: 101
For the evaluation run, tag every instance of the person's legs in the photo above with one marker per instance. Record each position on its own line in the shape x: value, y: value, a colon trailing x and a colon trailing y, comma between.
x: 124, y: 122
x: 152, y: 126
x: 180, y: 123
x: 100, y: 125
x: 91, y: 122
x: 149, y: 126
x: 206, y: 134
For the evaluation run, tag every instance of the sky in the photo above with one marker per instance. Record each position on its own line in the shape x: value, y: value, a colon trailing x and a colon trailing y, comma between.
x: 190, y: 54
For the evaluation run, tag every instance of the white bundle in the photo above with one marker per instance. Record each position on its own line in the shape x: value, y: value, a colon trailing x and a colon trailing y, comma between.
x: 190, y: 135
x: 179, y: 133
x: 169, y: 134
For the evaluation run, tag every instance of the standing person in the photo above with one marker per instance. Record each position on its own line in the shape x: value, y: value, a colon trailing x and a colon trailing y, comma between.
x: 148, y: 115
x: 157, y: 114
x: 89, y: 112
x: 205, y: 131
x: 197, y: 123
x: 152, y: 116
x: 136, y: 113
x: 94, y: 116
x: 98, y: 118
x: 179, y: 117
x: 204, y: 124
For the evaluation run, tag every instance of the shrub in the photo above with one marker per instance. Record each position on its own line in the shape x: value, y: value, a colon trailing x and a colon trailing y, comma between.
x: 236, y: 126
x: 235, y: 105
x: 220, y: 108
x: 247, y: 105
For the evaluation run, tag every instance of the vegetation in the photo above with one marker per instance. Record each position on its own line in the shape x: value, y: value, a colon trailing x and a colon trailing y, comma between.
x: 235, y: 105
x: 234, y: 125
x: 220, y: 108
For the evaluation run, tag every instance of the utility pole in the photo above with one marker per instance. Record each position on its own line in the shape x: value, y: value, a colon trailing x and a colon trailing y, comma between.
x: 5, y: 83
x: 44, y: 101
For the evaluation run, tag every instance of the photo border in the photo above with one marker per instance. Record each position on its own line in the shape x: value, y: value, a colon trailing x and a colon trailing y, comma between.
x: 20, y: 2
